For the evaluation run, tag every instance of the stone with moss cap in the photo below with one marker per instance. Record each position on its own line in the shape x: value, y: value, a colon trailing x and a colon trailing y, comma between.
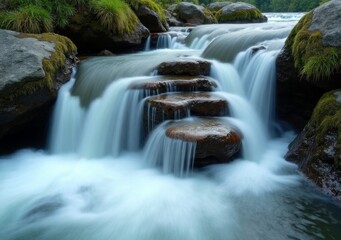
x: 193, y: 14
x: 317, y: 150
x: 240, y: 12
x: 33, y: 67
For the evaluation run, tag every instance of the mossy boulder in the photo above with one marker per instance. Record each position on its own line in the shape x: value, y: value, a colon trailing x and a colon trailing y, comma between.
x: 193, y: 14
x: 309, y: 64
x: 216, y: 6
x: 317, y: 150
x: 239, y: 12
x: 91, y: 37
x: 151, y: 20
x: 33, y: 67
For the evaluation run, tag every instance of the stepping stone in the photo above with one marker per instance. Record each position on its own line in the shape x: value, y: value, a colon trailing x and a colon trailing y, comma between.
x: 180, y: 105
x: 185, y: 66
x: 217, y: 141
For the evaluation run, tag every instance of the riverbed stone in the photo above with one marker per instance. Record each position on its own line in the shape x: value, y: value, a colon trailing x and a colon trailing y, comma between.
x: 184, y: 66
x: 216, y: 140
x: 180, y: 105
x: 33, y: 67
x: 317, y: 149
x: 162, y: 84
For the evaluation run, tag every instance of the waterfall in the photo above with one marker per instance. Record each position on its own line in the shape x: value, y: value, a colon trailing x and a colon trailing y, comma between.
x: 114, y: 172
x: 163, y: 41
x: 147, y: 45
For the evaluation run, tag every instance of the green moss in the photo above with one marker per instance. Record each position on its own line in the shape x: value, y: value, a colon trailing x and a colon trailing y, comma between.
x: 63, y: 47
x: 239, y: 15
x: 327, y: 119
x: 312, y: 59
x: 135, y: 4
x: 114, y: 15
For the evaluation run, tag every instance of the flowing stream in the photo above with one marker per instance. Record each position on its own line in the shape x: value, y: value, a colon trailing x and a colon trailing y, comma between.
x: 103, y: 177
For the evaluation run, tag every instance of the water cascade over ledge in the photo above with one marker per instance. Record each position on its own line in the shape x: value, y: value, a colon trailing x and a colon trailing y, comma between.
x: 125, y: 145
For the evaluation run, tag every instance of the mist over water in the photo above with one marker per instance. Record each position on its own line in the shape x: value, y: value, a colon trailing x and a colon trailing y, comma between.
x: 98, y: 181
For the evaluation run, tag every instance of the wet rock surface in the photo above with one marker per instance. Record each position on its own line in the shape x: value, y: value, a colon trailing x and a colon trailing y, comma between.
x: 162, y: 84
x: 150, y: 19
x: 192, y: 67
x: 317, y: 150
x: 180, y: 105
x: 216, y: 140
x: 193, y: 14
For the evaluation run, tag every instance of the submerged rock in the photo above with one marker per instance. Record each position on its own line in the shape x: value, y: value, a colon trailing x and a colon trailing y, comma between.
x: 317, y: 149
x: 240, y: 12
x: 33, y: 67
x: 180, y: 105
x: 192, y: 67
x: 216, y: 140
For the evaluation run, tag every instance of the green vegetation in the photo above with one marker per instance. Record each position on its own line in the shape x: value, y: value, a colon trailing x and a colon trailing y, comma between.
x: 311, y: 58
x: 37, y: 16
x: 239, y: 15
x: 327, y: 119
x: 114, y: 14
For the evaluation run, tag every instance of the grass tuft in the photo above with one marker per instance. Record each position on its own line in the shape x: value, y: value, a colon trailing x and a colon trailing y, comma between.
x: 312, y: 59
x: 28, y: 19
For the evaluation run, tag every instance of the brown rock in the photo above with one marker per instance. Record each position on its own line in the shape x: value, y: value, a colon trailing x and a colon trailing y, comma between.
x: 180, y: 105
x: 192, y: 67
x: 217, y: 141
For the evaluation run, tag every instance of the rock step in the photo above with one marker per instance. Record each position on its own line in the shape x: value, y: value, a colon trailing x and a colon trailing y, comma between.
x: 180, y: 105
x: 185, y: 66
x: 217, y: 141
x: 162, y: 84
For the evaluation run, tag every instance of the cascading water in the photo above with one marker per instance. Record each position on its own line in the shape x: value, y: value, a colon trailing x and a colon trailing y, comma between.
x: 101, y: 182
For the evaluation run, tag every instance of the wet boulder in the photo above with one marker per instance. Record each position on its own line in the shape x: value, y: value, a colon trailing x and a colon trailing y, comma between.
x: 240, y: 12
x: 193, y: 14
x: 317, y: 149
x: 309, y: 64
x: 33, y: 67
x: 216, y: 140
x: 151, y: 19
x: 216, y: 6
x: 192, y: 67
x: 180, y: 105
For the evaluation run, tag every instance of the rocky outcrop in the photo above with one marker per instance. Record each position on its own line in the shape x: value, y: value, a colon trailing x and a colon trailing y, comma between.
x: 309, y: 64
x: 33, y: 67
x: 240, y: 12
x: 180, y: 105
x: 216, y: 140
x: 192, y: 67
x: 151, y: 20
x: 317, y: 149
x: 91, y: 37
x: 193, y: 14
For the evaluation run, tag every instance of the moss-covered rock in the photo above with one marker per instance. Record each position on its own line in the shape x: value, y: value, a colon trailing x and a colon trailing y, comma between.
x: 92, y: 37
x: 317, y: 150
x: 309, y: 64
x: 193, y: 14
x: 33, y: 67
x: 239, y: 13
x: 216, y: 6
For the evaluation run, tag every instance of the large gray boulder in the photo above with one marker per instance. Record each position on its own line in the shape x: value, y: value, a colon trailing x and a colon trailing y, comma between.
x: 216, y: 6
x: 32, y: 69
x: 193, y: 14
x: 240, y: 12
